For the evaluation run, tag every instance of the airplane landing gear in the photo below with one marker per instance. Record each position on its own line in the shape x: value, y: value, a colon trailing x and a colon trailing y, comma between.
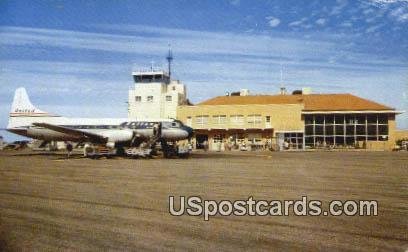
x: 120, y: 151
x: 172, y: 150
x: 92, y: 151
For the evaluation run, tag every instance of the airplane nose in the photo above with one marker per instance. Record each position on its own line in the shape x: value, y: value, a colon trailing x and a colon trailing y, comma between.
x: 190, y: 131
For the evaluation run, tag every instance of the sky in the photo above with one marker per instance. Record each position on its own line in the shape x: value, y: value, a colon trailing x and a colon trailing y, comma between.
x: 75, y: 57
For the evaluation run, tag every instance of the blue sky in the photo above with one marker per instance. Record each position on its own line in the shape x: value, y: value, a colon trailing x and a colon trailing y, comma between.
x: 75, y: 57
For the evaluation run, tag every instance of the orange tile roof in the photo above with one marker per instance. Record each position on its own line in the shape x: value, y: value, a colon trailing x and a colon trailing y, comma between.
x: 312, y: 102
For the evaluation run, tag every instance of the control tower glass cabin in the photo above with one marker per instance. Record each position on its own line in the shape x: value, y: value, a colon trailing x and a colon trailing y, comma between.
x: 152, y: 76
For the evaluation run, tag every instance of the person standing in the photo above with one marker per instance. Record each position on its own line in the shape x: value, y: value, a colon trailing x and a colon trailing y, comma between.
x: 69, y: 149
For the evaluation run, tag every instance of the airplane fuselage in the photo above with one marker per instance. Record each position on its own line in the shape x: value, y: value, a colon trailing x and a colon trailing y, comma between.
x: 119, y: 129
x: 27, y: 120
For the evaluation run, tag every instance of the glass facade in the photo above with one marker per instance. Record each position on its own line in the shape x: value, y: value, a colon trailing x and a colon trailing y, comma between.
x: 344, y: 129
x: 294, y: 140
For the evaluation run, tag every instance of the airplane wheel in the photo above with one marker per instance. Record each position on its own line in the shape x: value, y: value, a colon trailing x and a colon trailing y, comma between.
x: 88, y: 152
x: 120, y: 151
x: 166, y: 154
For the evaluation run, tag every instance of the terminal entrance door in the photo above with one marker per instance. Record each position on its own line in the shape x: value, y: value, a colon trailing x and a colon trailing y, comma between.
x: 289, y: 140
x: 200, y: 139
x: 280, y: 139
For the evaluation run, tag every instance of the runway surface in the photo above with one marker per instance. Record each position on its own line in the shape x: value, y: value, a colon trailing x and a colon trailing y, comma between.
x: 50, y: 203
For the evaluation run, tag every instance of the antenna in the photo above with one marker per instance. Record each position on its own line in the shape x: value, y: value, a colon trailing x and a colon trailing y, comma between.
x: 152, y: 65
x: 282, y: 87
x: 281, y: 75
x: 169, y: 60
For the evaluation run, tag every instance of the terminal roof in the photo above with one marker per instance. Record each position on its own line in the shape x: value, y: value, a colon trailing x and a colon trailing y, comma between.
x: 312, y: 102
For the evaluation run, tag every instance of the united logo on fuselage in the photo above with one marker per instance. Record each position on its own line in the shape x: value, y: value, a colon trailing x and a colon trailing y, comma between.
x: 24, y: 110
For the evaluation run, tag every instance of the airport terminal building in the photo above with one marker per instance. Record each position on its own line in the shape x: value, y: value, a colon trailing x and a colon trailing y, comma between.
x: 296, y: 121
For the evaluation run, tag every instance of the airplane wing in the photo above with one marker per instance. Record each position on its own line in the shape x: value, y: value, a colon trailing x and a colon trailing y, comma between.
x: 78, y: 133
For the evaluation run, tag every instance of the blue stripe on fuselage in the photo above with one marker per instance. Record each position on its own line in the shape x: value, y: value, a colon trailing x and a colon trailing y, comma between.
x: 124, y: 125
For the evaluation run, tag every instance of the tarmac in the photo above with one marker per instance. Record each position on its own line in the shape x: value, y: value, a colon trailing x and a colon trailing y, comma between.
x: 48, y: 202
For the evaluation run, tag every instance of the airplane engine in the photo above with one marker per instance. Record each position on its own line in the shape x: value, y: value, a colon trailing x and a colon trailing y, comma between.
x: 110, y: 144
x: 117, y: 136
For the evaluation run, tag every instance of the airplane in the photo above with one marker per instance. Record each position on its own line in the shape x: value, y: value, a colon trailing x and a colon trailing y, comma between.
x: 114, y: 133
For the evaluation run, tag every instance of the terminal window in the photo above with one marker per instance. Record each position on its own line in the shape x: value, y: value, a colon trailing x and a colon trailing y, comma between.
x: 345, y: 129
x: 294, y: 139
x: 254, y: 138
x: 219, y: 119
x: 237, y: 119
x: 218, y: 138
x: 202, y: 119
x: 254, y: 119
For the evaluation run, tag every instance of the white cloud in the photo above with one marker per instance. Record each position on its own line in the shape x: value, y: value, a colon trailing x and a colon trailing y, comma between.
x: 235, y: 2
x: 337, y: 9
x: 346, y: 24
x: 373, y: 28
x: 204, y: 59
x: 393, y: 13
x: 295, y: 23
x: 403, y: 17
x: 321, y: 21
x: 186, y: 41
x: 400, y: 13
x: 368, y: 11
x: 388, y: 1
x: 273, y: 21
x: 302, y: 23
x: 298, y: 22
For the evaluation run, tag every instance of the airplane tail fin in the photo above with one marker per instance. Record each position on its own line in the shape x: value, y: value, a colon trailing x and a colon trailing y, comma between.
x: 22, y: 105
x: 23, y: 113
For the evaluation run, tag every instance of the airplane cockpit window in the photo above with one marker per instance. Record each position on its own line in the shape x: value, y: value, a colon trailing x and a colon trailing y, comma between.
x: 179, y: 123
x: 175, y: 125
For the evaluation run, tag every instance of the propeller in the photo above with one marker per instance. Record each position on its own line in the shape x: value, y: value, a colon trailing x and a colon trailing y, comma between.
x: 157, y: 130
x: 135, y: 136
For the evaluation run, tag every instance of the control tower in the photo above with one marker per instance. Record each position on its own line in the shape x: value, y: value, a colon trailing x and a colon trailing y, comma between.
x: 155, y: 95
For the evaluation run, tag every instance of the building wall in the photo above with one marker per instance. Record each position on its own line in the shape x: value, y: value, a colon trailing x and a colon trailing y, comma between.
x: 160, y: 106
x: 392, y: 126
x: 286, y: 123
x: 377, y: 145
x: 254, y: 126
x: 145, y: 109
x: 177, y: 91
x: 263, y: 137
x: 282, y: 117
